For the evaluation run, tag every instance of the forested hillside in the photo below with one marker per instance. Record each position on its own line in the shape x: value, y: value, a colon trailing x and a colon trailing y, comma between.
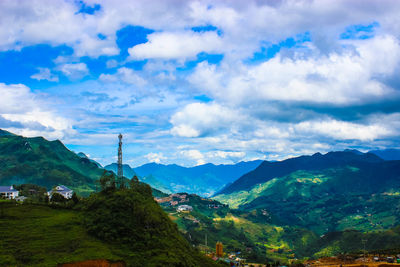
x: 47, y: 163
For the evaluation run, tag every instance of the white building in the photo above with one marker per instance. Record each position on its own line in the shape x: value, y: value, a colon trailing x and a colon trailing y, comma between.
x: 62, y: 190
x: 184, y: 208
x: 8, y: 192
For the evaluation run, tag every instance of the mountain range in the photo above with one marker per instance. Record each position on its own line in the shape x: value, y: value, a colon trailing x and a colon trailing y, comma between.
x: 387, y: 154
x: 203, y: 180
x: 323, y: 193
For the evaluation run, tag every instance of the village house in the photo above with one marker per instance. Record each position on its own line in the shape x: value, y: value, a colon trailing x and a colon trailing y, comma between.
x: 62, y: 190
x: 8, y: 192
x: 183, y: 208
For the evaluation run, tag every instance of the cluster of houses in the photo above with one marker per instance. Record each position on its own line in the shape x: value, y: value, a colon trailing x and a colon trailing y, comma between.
x: 173, y: 199
x: 9, y: 192
x: 216, y: 206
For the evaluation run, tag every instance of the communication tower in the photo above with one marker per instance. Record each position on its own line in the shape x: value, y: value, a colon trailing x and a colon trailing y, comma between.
x: 120, y: 172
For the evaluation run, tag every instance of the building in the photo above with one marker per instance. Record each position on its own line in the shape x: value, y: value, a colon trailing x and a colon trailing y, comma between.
x: 8, y: 192
x: 184, y: 208
x: 62, y: 190
x: 21, y: 198
x: 219, y: 249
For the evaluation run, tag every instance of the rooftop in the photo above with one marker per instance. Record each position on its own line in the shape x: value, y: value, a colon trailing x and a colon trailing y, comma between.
x: 61, y: 188
x: 9, y: 188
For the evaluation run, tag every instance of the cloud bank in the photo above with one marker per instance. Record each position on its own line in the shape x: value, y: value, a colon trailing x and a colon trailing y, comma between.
x: 202, y: 81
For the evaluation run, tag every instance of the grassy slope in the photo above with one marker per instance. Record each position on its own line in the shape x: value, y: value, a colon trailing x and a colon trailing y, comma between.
x: 35, y: 235
x: 41, y: 236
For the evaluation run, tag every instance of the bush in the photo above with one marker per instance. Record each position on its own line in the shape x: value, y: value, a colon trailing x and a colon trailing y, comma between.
x: 56, y: 197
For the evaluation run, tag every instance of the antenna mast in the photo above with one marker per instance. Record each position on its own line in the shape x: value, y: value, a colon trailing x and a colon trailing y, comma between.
x: 120, y: 172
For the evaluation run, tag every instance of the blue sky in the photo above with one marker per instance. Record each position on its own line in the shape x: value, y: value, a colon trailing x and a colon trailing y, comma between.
x: 202, y: 81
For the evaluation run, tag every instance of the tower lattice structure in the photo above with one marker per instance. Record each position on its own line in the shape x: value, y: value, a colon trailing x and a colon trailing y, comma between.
x: 120, y: 171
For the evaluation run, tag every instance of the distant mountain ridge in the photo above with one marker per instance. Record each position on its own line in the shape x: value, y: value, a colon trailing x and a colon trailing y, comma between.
x: 203, y: 180
x: 387, y: 154
x: 126, y: 169
x: 268, y: 170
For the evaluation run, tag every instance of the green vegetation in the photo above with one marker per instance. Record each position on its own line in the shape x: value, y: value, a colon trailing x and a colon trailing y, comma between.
x: 115, y: 224
x: 256, y: 234
x: 262, y: 237
x: 350, y: 242
x: 37, y: 235
x: 131, y: 217
x: 328, y: 200
x: 269, y: 170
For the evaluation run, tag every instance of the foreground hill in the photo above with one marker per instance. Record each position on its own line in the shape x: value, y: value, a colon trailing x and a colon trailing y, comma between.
x: 125, y: 224
x: 47, y: 163
x: 356, y: 192
x: 202, y: 180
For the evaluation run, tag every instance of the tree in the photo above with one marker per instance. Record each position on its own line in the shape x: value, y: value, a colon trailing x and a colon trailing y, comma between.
x: 56, y: 197
x: 107, y: 181
x: 134, y: 182
x: 75, y: 198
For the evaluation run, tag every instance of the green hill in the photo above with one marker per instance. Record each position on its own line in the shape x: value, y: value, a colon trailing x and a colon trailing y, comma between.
x: 36, y: 235
x: 269, y: 170
x: 256, y: 235
x: 47, y: 163
x: 259, y: 236
x: 363, y: 196
x: 125, y: 224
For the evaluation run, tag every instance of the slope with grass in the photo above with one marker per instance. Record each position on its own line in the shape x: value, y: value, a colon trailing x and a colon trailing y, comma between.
x: 125, y: 224
x: 36, y: 235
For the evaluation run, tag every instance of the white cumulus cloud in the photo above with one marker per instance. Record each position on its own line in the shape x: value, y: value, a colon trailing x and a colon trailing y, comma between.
x: 45, y: 74
x: 179, y: 45
x: 19, y: 104
x: 74, y: 71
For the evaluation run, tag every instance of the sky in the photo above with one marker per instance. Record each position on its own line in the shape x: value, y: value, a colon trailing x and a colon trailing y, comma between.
x: 191, y: 82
